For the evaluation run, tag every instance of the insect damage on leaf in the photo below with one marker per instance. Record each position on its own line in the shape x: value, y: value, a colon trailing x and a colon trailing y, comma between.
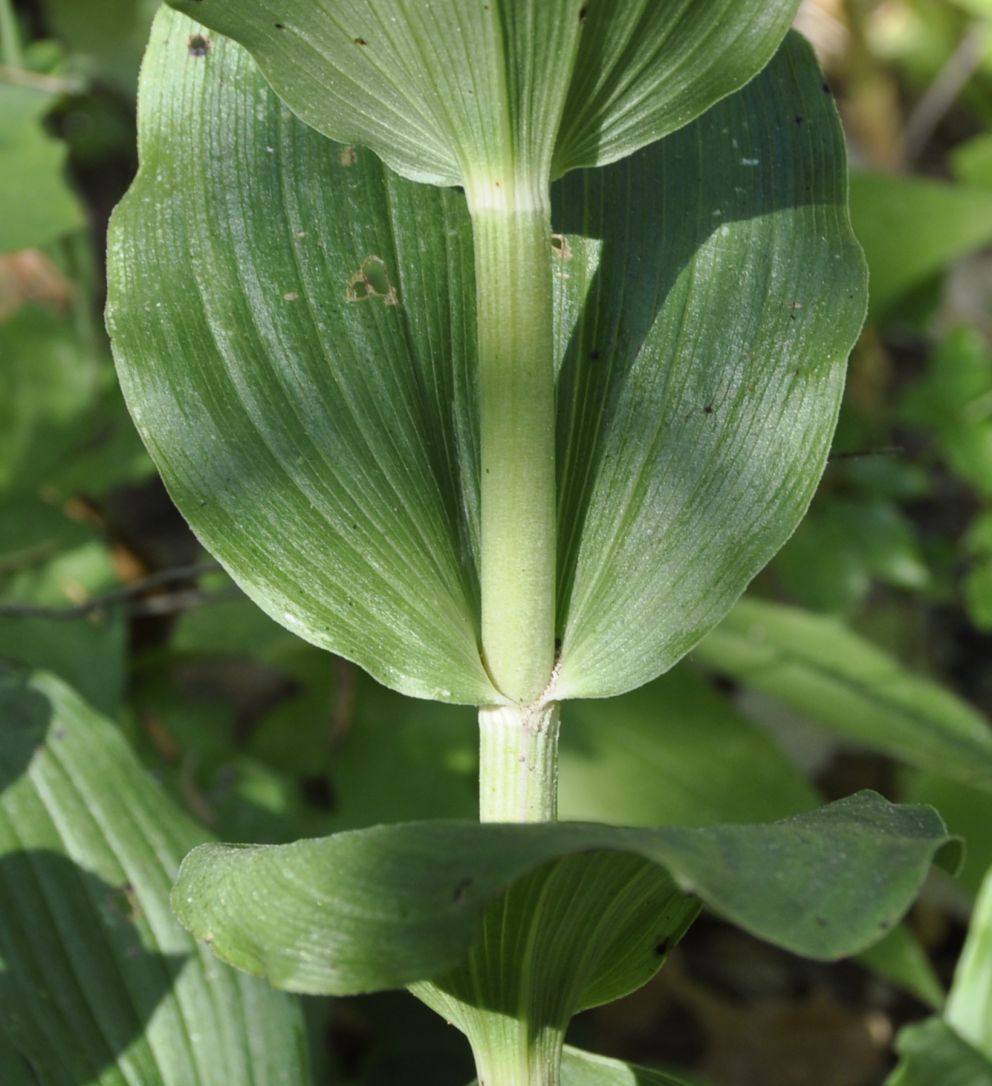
x: 372, y: 281
x: 198, y: 45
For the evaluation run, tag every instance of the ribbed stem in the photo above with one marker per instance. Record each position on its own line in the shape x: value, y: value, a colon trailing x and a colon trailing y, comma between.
x: 518, y: 763
x: 517, y: 432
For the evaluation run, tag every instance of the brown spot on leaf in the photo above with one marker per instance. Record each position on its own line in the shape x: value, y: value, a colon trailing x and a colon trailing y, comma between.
x: 359, y: 41
x: 198, y: 45
x: 348, y: 156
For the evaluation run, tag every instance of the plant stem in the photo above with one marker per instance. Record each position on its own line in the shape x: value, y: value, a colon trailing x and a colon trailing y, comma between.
x: 518, y: 763
x: 512, y: 232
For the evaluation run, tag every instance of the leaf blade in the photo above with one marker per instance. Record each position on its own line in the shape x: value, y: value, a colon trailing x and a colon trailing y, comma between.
x: 432, y: 880
x: 98, y: 982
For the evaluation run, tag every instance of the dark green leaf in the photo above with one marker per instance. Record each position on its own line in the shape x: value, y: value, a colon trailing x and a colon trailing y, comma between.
x: 98, y: 983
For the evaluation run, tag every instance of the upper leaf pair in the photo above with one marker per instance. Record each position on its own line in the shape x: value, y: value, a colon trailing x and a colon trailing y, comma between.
x: 295, y: 326
x: 465, y: 92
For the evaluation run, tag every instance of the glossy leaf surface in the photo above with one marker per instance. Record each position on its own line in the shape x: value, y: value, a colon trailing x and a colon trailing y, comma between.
x: 98, y: 982
x: 391, y: 905
x: 815, y: 664
x: 447, y: 91
x: 299, y: 360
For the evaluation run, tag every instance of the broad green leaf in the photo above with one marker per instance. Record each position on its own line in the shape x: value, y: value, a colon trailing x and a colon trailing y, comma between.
x: 969, y: 1006
x: 458, y: 93
x: 307, y: 388
x: 580, y: 1068
x: 934, y: 1055
x: 700, y: 385
x: 673, y: 753
x: 98, y: 983
x: 839, y: 679
x: 36, y: 203
x: 911, y: 229
x: 391, y: 905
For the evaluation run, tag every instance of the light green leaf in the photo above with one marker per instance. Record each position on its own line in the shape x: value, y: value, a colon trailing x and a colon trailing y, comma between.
x: 461, y: 93
x: 391, y: 905
x: 673, y: 753
x: 839, y: 679
x: 934, y: 1055
x: 580, y: 1068
x: 98, y: 983
x: 299, y: 360
x: 969, y: 1007
x: 36, y: 203
x: 911, y: 229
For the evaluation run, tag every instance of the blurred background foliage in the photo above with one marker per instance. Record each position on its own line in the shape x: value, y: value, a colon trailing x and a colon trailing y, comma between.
x: 859, y: 657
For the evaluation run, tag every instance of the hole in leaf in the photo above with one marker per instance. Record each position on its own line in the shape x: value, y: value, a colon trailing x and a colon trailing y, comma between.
x: 371, y: 281
x: 562, y: 250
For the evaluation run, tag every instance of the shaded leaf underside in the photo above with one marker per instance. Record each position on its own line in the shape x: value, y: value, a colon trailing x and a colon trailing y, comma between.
x: 446, y: 90
x: 393, y: 905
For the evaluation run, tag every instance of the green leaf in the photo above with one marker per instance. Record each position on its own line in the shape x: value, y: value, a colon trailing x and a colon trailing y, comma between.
x: 322, y: 440
x: 967, y: 811
x: 911, y: 229
x: 391, y: 905
x: 815, y: 664
x: 36, y: 203
x: 673, y: 753
x: 933, y: 1053
x: 580, y: 1068
x: 456, y: 93
x: 50, y: 384
x: 969, y: 1006
x: 98, y: 983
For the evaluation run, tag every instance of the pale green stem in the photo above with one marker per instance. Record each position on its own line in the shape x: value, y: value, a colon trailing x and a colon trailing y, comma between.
x: 517, y: 436
x: 10, y: 37
x: 518, y: 763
